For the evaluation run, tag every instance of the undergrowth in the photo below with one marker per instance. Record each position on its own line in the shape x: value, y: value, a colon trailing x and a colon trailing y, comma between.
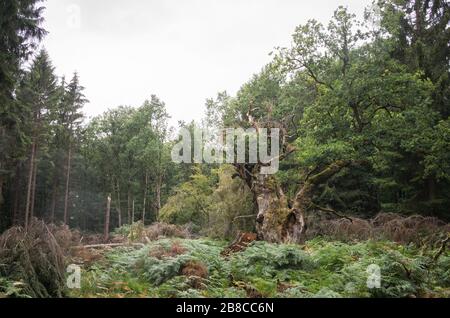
x: 32, y: 262
x: 319, y: 268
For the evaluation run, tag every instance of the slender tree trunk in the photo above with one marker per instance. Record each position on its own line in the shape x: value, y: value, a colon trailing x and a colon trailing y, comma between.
x: 145, y: 198
x: 143, y: 209
x: 419, y: 33
x: 54, y: 197
x: 158, y: 197
x: 159, y: 180
x: 54, y: 192
x: 33, y: 187
x: 29, y: 184
x: 1, y: 189
x: 29, y: 211
x: 84, y: 221
x: 129, y: 206
x: 16, y: 194
x: 2, y: 179
x: 107, y: 217
x: 66, y: 196
x: 132, y: 212
x: 119, y: 211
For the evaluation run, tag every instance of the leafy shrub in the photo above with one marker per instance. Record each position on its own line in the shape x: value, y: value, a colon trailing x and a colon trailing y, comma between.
x: 133, y: 232
x: 232, y: 207
x: 217, y: 205
x: 190, y: 201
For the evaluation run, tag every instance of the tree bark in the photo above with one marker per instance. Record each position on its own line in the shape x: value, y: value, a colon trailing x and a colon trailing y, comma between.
x: 66, y: 196
x: 15, y: 210
x: 1, y: 190
x: 272, y: 209
x: 29, y: 184
x: 145, y: 198
x: 158, y: 196
x: 2, y: 179
x: 129, y: 206
x: 107, y: 217
x: 119, y: 211
x: 33, y: 186
x: 54, y: 197
x: 132, y: 212
x: 276, y: 221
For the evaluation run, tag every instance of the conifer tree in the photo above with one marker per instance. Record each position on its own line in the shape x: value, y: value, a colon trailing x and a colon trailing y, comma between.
x: 39, y: 95
x: 73, y: 102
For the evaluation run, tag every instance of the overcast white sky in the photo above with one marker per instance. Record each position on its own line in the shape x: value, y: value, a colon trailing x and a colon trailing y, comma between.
x: 184, y: 51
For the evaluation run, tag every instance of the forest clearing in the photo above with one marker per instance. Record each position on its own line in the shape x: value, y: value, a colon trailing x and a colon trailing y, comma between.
x: 325, y: 174
x: 166, y: 261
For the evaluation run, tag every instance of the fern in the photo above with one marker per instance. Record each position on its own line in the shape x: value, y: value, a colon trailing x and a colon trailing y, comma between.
x: 10, y: 288
x: 320, y: 268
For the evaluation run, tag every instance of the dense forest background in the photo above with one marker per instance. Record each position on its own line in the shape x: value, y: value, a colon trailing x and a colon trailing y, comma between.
x: 358, y: 208
x: 374, y: 94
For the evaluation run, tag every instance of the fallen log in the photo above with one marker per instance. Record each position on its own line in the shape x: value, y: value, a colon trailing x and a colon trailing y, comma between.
x: 109, y: 245
x: 242, y: 241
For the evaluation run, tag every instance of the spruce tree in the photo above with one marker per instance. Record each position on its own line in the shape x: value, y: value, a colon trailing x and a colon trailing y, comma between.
x: 38, y: 94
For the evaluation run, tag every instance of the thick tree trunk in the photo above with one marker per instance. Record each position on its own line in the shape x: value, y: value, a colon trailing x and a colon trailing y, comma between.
x: 66, y: 196
x: 272, y: 209
x: 276, y: 221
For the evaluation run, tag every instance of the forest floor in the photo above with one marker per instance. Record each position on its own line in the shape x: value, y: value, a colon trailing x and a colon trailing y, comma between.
x: 174, y: 267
